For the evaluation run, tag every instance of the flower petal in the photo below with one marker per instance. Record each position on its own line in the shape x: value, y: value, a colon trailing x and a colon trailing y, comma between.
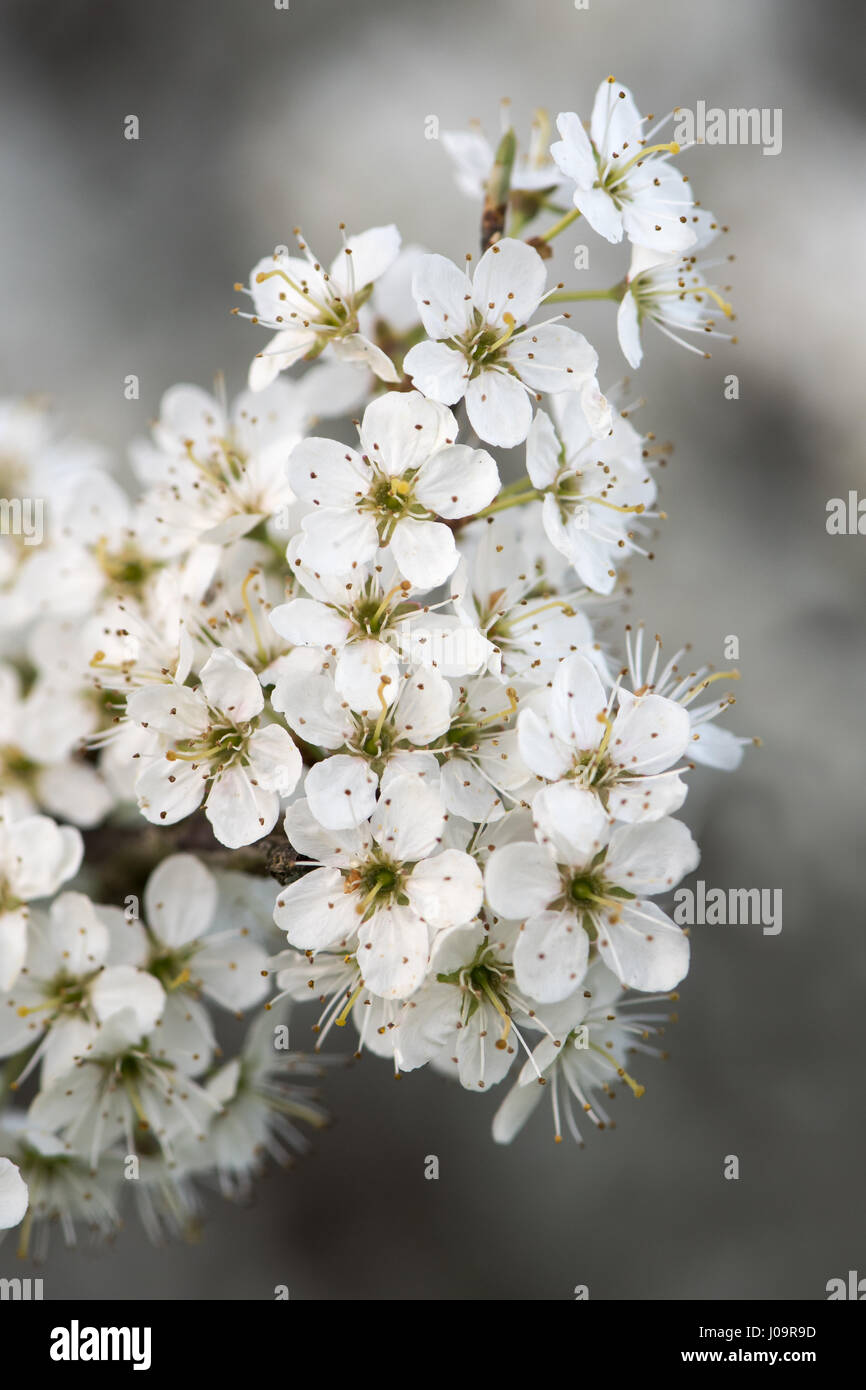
x: 643, y: 947
x: 424, y: 551
x: 180, y: 900
x: 457, y: 481
x: 551, y: 955
x: 499, y: 409
x: 509, y: 280
x: 521, y: 879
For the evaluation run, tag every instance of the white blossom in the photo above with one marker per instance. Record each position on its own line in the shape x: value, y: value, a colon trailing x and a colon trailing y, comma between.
x: 478, y: 348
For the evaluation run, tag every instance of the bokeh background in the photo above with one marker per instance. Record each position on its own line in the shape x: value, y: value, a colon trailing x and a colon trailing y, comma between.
x: 119, y: 257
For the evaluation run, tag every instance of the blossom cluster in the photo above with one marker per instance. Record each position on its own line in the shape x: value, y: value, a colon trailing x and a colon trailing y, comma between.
x: 304, y: 709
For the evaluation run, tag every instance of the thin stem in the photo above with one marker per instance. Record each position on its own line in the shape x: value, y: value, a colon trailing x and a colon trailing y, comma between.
x: 570, y: 296
x: 561, y: 225
x: 501, y: 506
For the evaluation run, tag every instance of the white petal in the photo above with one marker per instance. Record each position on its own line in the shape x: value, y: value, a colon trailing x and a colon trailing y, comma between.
x: 572, y: 821
x: 647, y: 798
x: 552, y: 357
x: 315, y: 913
x: 231, y: 686
x: 328, y: 474
x: 370, y: 252
x: 446, y: 890
x: 628, y: 330
x: 615, y: 118
x: 361, y: 667
x: 715, y: 747
x: 77, y: 934
x: 392, y: 952
x: 359, y: 350
x: 573, y: 153
x: 233, y: 972
x: 423, y: 711
x: 274, y: 763
x: 540, y: 749
x: 437, y: 370
x: 170, y: 709
x: 649, y: 733
x: 41, y: 856
x: 311, y: 704
x: 169, y: 791
x: 341, y: 791
x: 457, y: 481
x: 514, y: 1111
x: 334, y: 540
x: 13, y: 946
x: 401, y: 430
x: 643, y: 947
x: 577, y: 701
x: 551, y: 955
x: 408, y: 819
x: 443, y: 295
x: 543, y: 451
x: 499, y: 409
x: 307, y: 623
x: 600, y: 211
x: 509, y: 279
x: 652, y: 857
x: 13, y: 1195
x: 284, y: 349
x: 312, y: 839
x: 123, y: 987
x: 424, y: 551
x: 239, y: 811
x: 521, y: 879
x: 180, y: 900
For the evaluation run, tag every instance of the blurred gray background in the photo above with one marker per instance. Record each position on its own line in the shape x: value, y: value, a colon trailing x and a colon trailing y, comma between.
x: 119, y: 257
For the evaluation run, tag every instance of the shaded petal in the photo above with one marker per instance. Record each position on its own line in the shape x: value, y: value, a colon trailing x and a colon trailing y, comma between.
x: 551, y: 955
x: 499, y: 409
x: 521, y: 879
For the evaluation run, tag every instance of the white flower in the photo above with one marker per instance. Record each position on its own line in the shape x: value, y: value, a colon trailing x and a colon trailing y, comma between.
x: 335, y: 980
x: 215, y: 744
x: 582, y: 1056
x: 36, y: 857
x: 65, y: 1191
x: 42, y: 731
x: 213, y: 473
x: 581, y: 884
x: 483, y: 773
x: 406, y: 715
x: 312, y: 308
x: 594, y: 489
x: 370, y: 618
x: 409, y: 473
x: 81, y: 967
x: 14, y: 1197
x: 261, y: 1107
x: 623, y: 184
x: 708, y: 744
x: 473, y: 155
x: 119, y: 1089
x: 522, y: 597
x: 381, y: 885
x: 673, y: 293
x: 481, y: 352
x: 196, y: 947
x: 626, y: 759
x: 463, y: 1019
